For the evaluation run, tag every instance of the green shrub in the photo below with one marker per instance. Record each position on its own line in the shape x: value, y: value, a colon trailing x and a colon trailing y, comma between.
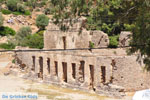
x: 12, y: 5
x: 47, y: 11
x: 1, y: 20
x: 113, y: 41
x: 21, y: 8
x: 4, y: 31
x: 6, y: 12
x: 42, y: 21
x: 41, y: 4
x: 37, y: 10
x: 27, y: 12
x: 40, y: 33
x: 91, y: 44
x: 34, y: 41
x: 23, y: 33
x: 8, y: 46
x: 13, y: 61
x: 129, y: 27
x: 17, y: 13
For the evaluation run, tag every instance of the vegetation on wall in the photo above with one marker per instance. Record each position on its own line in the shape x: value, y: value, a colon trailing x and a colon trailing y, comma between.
x: 113, y: 41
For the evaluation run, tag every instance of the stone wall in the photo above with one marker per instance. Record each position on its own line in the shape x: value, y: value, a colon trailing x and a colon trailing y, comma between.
x: 92, y: 71
x: 75, y: 37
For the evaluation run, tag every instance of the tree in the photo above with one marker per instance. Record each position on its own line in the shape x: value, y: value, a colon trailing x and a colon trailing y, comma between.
x: 34, y: 41
x: 22, y: 34
x: 1, y: 20
x: 42, y: 21
x: 12, y: 5
x: 105, y: 15
x: 140, y: 42
x: 21, y: 8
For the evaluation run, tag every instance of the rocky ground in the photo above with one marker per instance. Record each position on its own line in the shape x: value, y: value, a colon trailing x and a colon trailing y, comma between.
x: 11, y: 83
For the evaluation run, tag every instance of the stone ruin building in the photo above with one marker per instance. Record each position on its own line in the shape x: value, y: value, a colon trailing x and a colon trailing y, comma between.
x: 109, y: 71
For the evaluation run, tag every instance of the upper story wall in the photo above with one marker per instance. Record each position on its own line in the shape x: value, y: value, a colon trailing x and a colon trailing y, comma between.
x: 75, y: 37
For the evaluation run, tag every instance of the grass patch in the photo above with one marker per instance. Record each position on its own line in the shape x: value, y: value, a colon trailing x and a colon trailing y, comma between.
x: 7, y: 12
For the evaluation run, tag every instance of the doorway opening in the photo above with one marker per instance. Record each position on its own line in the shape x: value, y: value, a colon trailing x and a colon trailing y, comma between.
x: 64, y: 65
x: 56, y: 68
x: 33, y: 66
x: 91, y: 67
x: 41, y: 67
x: 81, y: 71
x: 48, y: 65
x: 73, y: 70
x: 103, y: 74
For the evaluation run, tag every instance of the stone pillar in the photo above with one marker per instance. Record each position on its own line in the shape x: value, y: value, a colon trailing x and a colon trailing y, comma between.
x: 45, y: 69
x: 60, y: 71
x: 52, y: 65
x: 77, y: 71
x: 69, y: 72
x: 86, y: 74
x: 97, y: 75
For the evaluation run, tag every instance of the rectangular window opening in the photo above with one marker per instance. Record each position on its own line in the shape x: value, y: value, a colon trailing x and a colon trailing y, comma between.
x: 103, y: 74
x: 56, y: 68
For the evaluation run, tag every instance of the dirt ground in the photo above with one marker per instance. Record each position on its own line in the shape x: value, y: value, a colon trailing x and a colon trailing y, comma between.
x: 10, y: 83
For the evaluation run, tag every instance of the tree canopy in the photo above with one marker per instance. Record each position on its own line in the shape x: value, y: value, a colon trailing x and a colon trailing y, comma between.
x: 112, y: 17
x: 42, y: 21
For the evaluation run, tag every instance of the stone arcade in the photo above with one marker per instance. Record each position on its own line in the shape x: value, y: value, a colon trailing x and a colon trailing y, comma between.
x: 108, y: 71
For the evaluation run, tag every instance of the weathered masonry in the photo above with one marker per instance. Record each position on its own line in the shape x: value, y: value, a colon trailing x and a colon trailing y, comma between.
x: 99, y: 70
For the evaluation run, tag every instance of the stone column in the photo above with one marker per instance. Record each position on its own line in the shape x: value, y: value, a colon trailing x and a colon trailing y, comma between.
x: 86, y: 74
x: 69, y: 72
x: 60, y: 71
x: 45, y: 69
x: 52, y: 65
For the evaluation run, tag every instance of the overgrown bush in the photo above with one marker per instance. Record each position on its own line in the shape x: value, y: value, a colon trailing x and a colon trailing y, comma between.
x: 31, y: 3
x: 4, y: 31
x: 22, y: 34
x: 7, y: 46
x: 113, y: 41
x: 42, y: 21
x: 27, y: 12
x: 21, y: 8
x: 47, y: 11
x: 129, y: 27
x: 6, y: 12
x: 12, y: 5
x: 91, y: 44
x: 17, y: 13
x: 34, y: 41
